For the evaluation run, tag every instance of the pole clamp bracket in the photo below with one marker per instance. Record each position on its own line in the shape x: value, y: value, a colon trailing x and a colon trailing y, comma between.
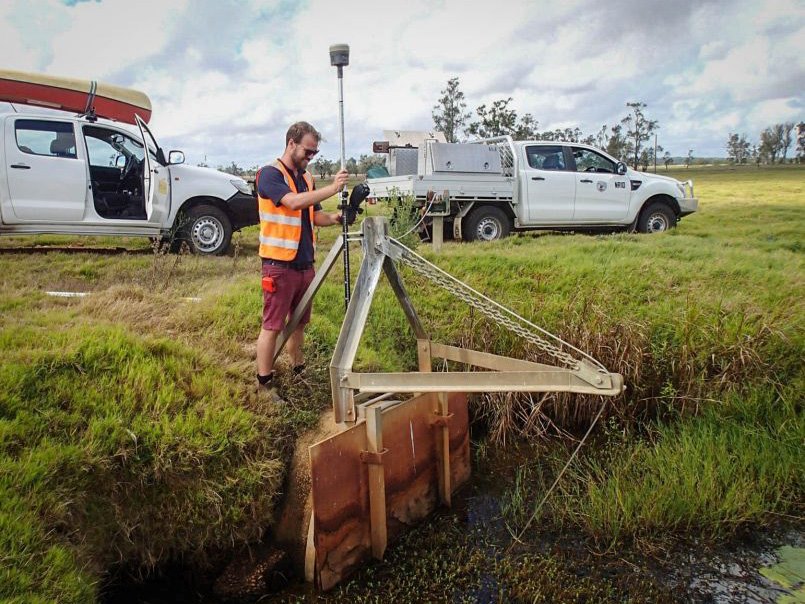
x: 373, y: 459
x: 440, y: 421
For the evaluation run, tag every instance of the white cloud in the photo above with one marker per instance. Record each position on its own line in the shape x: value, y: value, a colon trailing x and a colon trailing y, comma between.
x: 26, y: 28
x: 750, y: 71
x: 776, y: 110
x: 104, y: 35
x: 227, y: 77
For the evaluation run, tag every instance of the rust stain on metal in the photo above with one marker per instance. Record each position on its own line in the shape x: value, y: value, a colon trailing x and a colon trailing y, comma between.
x: 342, y: 531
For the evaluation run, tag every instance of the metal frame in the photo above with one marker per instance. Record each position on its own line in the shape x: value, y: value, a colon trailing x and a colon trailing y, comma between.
x: 583, y: 375
x: 307, y: 298
x: 355, y: 511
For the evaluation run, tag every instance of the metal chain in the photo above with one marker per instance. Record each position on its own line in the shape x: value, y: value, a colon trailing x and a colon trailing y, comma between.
x: 489, y: 308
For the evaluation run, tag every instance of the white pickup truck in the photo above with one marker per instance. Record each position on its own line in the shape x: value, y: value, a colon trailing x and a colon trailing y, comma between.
x: 485, y: 189
x: 68, y: 174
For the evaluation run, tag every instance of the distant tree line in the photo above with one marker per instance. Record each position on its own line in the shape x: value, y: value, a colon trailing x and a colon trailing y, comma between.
x: 322, y: 167
x: 772, y: 146
x: 630, y: 140
x: 325, y: 167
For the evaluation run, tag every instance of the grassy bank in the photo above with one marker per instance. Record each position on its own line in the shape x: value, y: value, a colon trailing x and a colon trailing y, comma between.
x: 130, y: 430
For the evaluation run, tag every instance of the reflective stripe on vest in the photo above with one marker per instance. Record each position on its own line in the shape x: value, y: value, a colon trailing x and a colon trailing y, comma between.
x: 281, y: 227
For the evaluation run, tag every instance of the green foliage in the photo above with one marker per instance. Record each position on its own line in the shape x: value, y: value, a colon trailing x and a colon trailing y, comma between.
x: 737, y: 148
x: 710, y: 475
x: 405, y: 217
x: 443, y: 562
x: 789, y: 572
x: 121, y: 445
x: 324, y: 167
x: 129, y: 426
x: 449, y: 112
x: 352, y: 166
x: 499, y: 120
x: 365, y: 162
x: 638, y: 132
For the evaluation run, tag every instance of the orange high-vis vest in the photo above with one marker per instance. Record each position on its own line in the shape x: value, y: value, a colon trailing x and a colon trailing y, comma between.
x: 281, y: 227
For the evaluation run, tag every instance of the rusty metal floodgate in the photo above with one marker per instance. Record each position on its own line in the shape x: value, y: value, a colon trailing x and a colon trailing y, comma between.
x: 404, y: 447
x: 382, y: 475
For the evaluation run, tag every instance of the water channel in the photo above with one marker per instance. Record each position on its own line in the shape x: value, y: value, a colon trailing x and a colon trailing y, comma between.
x: 467, y: 554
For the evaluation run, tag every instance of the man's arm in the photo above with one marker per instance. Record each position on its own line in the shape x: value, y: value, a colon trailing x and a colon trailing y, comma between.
x: 300, y: 201
x: 326, y: 218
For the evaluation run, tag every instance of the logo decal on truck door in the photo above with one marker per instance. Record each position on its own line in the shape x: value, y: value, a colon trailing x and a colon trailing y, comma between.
x: 620, y: 184
x: 601, y: 185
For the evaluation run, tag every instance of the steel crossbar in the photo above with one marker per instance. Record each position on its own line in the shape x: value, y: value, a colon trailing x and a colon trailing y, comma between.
x: 581, y: 373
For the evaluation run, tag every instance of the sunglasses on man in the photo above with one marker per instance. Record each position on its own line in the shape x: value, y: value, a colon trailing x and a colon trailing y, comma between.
x: 309, y: 152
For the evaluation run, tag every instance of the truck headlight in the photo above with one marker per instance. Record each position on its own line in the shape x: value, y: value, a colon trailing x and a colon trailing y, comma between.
x: 242, y: 186
x: 685, y: 188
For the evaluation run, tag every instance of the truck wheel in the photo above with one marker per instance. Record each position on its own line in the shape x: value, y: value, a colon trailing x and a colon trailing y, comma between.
x: 208, y: 230
x: 656, y: 218
x: 486, y: 223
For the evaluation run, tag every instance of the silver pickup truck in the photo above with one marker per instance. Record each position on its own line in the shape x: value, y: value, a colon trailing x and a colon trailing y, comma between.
x: 485, y: 189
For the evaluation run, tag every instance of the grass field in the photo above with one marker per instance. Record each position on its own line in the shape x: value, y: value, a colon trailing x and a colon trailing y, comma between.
x: 130, y: 431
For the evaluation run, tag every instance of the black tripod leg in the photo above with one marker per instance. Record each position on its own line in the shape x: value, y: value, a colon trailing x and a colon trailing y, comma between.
x: 344, y: 231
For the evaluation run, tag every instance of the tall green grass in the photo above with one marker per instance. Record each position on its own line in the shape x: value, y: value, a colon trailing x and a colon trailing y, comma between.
x: 715, y: 354
x: 130, y: 431
x: 708, y: 476
x: 736, y: 464
x: 121, y: 448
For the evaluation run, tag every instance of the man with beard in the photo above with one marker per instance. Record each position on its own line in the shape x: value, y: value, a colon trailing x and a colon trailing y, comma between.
x: 289, y: 209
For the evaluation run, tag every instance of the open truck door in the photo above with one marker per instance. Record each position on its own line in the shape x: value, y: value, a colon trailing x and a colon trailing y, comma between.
x: 149, y: 181
x: 156, y: 177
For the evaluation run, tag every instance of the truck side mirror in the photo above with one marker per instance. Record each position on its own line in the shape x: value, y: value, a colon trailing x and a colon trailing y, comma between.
x: 175, y: 157
x: 620, y: 168
x: 120, y: 161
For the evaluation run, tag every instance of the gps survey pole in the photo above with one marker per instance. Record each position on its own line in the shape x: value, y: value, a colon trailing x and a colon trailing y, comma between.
x: 339, y: 57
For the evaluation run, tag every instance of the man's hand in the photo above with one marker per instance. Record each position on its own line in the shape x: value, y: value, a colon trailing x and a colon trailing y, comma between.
x: 339, y: 181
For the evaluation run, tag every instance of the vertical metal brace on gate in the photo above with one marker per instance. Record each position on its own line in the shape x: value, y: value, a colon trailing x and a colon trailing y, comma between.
x: 373, y: 457
x: 441, y: 423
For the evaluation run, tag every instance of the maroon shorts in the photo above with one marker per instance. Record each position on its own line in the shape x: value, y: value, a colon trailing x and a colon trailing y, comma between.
x: 288, y: 286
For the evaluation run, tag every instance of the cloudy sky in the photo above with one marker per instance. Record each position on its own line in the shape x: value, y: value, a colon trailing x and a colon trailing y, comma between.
x: 227, y: 77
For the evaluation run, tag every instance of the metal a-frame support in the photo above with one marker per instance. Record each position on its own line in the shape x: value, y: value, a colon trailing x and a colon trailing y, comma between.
x: 420, y: 445
x: 582, y: 375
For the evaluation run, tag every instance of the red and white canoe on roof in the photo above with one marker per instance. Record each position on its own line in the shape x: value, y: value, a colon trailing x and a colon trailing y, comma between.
x: 79, y: 96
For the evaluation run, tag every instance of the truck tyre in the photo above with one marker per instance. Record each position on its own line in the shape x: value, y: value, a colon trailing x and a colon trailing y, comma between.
x: 656, y: 217
x: 486, y: 223
x: 207, y: 231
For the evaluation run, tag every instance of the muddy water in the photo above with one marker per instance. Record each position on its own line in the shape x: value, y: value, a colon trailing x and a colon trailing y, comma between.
x: 761, y: 567
x: 467, y: 554
x: 755, y: 573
